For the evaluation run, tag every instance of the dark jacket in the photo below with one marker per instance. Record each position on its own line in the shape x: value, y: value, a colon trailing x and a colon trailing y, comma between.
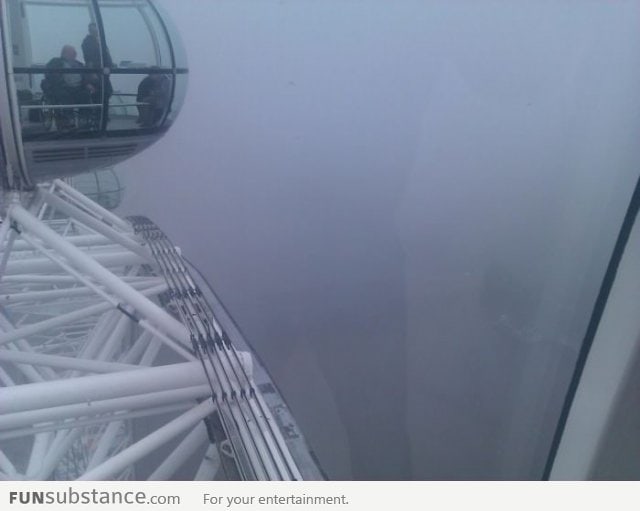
x: 54, y: 84
x: 91, y: 53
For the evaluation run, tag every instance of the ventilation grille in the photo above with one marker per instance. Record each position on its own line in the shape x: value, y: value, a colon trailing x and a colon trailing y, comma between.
x: 68, y: 153
x: 106, y: 151
x: 83, y: 153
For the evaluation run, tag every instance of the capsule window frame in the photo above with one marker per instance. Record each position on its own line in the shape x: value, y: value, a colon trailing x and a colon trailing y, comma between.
x: 104, y: 130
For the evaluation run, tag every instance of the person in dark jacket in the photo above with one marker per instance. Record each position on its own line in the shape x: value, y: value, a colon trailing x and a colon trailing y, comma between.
x: 154, y: 91
x: 93, y: 58
x: 66, y: 88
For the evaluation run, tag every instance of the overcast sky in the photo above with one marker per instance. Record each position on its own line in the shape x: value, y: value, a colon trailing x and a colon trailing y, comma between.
x: 408, y: 207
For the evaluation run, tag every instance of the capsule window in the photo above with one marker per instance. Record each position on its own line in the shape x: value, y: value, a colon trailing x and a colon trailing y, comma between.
x: 51, y: 108
x: 134, y: 34
x: 179, y: 95
x: 40, y: 29
x: 84, y: 73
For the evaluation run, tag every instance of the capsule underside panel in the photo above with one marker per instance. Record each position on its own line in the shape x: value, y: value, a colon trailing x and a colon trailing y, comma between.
x: 51, y: 159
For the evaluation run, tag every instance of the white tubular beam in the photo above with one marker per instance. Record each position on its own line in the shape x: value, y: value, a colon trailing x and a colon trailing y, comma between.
x: 42, y: 415
x: 59, y: 447
x: 150, y: 354
x: 6, y: 465
x: 38, y: 452
x: 23, y: 345
x: 124, y: 291
x: 105, y: 324
x: 101, y: 386
x: 70, y: 317
x: 92, y: 206
x: 4, y: 230
x: 6, y: 250
x: 99, y: 420
x: 135, y: 352
x: 38, y: 208
x: 209, y: 465
x: 185, y: 449
x: 66, y: 279
x: 32, y: 296
x: 35, y: 296
x: 89, y: 366
x: 30, y: 373
x: 82, y: 240
x: 105, y: 444
x: 140, y: 449
x: 44, y: 265
x: 114, y: 340
x: 95, y: 224
x: 166, y: 340
x: 47, y: 324
x: 6, y: 380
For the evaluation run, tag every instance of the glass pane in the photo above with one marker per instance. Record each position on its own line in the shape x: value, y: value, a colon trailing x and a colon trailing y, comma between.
x: 138, y: 101
x: 134, y: 36
x: 179, y: 96
x: 37, y: 40
x: 425, y: 198
x: 102, y: 186
x: 54, y: 105
x: 179, y: 52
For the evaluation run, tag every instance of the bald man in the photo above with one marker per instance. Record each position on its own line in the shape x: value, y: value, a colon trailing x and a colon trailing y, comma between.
x: 66, y: 88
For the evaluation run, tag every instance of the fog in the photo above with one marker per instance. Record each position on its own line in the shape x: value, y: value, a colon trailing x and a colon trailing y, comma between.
x: 408, y: 208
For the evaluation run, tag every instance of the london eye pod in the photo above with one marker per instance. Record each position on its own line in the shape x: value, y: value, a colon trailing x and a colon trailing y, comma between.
x: 86, y: 84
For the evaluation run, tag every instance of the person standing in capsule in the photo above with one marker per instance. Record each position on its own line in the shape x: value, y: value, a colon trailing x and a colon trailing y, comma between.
x: 93, y: 58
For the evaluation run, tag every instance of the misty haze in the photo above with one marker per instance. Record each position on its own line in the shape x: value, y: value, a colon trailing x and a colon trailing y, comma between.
x: 407, y: 207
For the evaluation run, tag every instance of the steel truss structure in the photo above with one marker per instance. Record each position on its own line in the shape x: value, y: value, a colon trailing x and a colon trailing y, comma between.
x: 110, y: 355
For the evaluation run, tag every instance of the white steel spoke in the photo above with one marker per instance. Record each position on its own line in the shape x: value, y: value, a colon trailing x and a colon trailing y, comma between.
x: 102, y: 330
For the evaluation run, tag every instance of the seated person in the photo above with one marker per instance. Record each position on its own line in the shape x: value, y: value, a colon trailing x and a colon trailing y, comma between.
x: 154, y: 91
x: 67, y: 88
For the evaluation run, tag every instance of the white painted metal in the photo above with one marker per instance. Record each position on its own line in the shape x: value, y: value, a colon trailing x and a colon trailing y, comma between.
x: 209, y: 465
x: 83, y: 422
x: 102, y: 386
x: 151, y: 442
x: 90, y: 221
x: 90, y: 266
x: 85, y: 318
x: 26, y: 418
x: 105, y: 443
x: 75, y: 301
x: 183, y: 451
x: 91, y: 206
x: 38, y: 452
x: 38, y: 359
x: 46, y: 266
